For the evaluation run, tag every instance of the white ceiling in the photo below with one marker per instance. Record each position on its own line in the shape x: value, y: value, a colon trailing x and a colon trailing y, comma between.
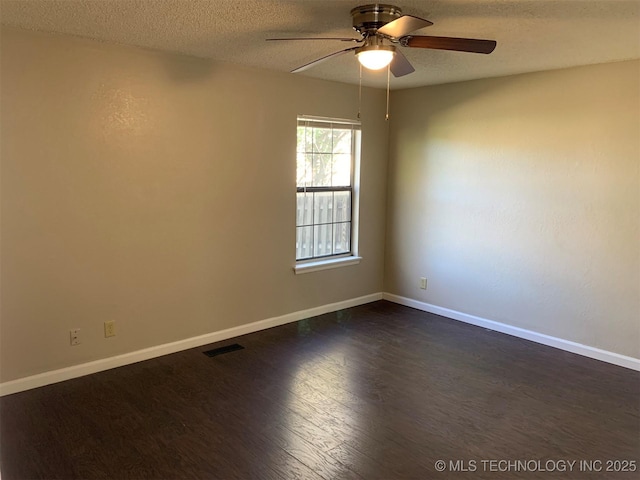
x: 532, y: 35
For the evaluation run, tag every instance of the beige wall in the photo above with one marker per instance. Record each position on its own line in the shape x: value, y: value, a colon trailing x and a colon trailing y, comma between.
x: 518, y: 199
x: 158, y: 191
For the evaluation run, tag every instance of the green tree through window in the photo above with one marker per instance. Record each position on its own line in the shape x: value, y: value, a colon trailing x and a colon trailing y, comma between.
x: 326, y: 151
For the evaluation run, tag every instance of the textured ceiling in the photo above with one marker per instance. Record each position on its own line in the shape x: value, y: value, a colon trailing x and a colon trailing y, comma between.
x: 532, y: 35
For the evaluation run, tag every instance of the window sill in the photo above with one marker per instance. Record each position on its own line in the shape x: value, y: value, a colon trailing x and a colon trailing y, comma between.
x: 325, y: 264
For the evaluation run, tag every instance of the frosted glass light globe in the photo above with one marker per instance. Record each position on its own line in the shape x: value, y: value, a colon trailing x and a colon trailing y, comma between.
x: 375, y: 59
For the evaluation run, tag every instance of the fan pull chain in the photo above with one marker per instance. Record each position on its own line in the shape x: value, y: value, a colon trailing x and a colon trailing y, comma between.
x: 360, y: 92
x: 386, y: 117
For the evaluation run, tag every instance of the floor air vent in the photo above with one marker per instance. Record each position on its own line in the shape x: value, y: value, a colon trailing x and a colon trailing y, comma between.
x: 221, y: 350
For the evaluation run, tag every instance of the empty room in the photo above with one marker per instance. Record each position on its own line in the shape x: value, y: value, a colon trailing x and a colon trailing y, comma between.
x: 302, y: 239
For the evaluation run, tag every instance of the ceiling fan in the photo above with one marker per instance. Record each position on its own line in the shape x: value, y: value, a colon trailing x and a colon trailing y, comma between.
x: 382, y: 27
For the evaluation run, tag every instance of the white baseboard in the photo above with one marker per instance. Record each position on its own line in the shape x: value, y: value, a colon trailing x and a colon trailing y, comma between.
x: 54, y: 376
x: 567, y: 345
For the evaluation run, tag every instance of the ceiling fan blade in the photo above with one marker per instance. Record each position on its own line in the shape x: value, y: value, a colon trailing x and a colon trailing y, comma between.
x: 449, y: 43
x: 322, y: 59
x: 342, y: 39
x: 403, y: 26
x: 400, y: 66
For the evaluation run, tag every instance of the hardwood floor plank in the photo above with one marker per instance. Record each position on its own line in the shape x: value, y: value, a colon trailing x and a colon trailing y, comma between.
x: 378, y: 391
x: 315, y: 458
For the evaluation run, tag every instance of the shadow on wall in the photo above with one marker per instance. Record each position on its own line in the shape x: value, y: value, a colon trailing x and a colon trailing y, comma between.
x: 183, y: 69
x: 517, y: 194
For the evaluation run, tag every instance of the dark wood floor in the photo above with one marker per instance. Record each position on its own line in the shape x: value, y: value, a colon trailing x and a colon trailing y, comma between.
x: 379, y: 391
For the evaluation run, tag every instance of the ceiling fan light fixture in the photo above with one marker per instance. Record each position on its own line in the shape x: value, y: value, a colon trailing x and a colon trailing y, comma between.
x: 375, y: 57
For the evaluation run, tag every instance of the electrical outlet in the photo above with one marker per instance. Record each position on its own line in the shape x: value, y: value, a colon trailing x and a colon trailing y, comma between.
x: 74, y: 336
x: 110, y: 329
x: 423, y: 283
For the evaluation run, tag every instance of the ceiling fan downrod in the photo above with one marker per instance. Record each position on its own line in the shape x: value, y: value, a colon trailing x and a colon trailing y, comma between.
x: 367, y: 19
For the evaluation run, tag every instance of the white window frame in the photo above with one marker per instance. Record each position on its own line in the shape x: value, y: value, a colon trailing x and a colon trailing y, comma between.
x: 352, y: 258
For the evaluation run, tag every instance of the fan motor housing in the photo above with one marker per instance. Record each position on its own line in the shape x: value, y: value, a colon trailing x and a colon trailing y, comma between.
x: 369, y: 18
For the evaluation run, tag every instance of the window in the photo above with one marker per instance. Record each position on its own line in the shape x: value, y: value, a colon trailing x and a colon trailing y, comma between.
x: 327, y: 159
